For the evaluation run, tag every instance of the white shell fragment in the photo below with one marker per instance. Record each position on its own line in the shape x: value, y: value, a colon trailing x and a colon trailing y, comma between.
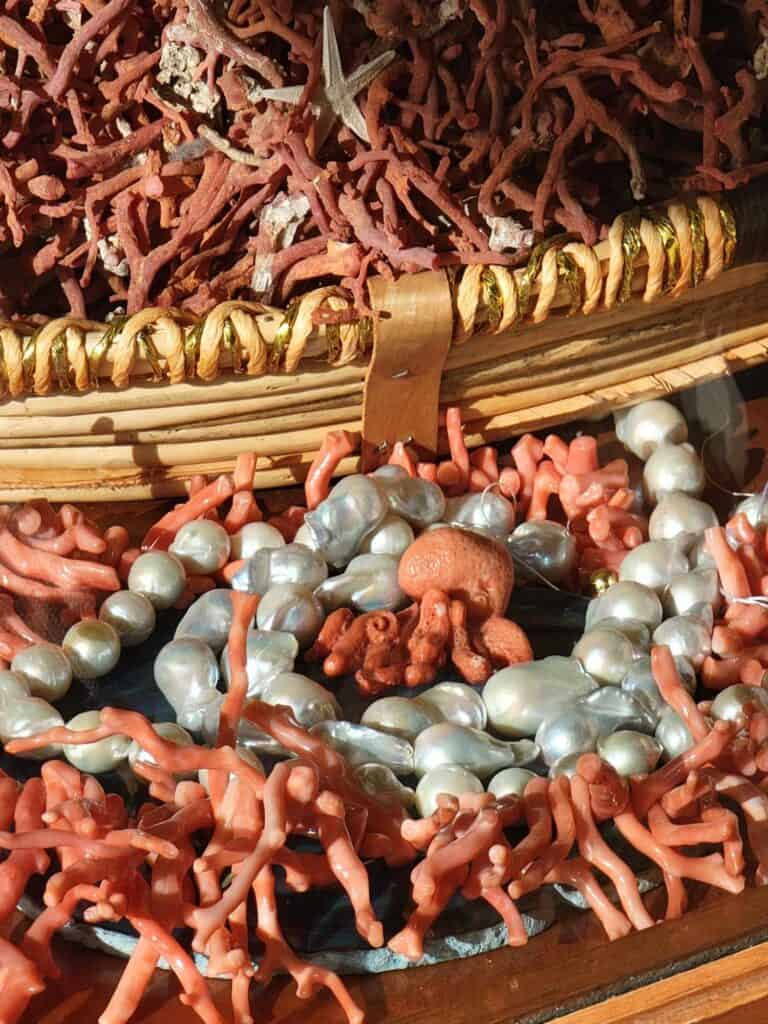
x: 369, y: 583
x: 642, y: 428
x: 267, y: 654
x: 131, y: 615
x: 159, y: 576
x: 360, y: 744
x: 309, y: 702
x: 355, y: 506
x: 201, y: 546
x: 292, y: 563
x: 673, y: 467
x: 519, y: 698
x: 103, y: 755
x: 446, y: 743
x: 449, y: 779
x: 402, y: 716
x: 46, y: 669
x: 291, y: 608
x: 456, y: 702
x: 418, y: 501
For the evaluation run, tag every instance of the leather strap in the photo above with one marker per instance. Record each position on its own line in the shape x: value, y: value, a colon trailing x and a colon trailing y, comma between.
x: 411, y: 337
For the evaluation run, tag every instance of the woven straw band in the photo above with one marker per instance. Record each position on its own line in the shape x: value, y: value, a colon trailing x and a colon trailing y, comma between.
x: 680, y: 246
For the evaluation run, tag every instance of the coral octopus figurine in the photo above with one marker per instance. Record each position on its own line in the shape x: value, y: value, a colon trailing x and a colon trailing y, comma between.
x: 461, y: 583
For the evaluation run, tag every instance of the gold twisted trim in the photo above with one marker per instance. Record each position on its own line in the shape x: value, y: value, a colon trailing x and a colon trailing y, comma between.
x: 680, y: 246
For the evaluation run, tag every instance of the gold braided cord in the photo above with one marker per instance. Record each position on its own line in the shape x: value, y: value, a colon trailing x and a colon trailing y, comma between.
x: 686, y: 243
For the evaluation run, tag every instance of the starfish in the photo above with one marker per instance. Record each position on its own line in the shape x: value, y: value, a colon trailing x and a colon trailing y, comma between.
x: 334, y: 97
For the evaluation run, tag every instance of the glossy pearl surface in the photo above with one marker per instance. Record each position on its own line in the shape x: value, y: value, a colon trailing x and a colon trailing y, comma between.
x: 680, y: 515
x: 159, y: 576
x: 672, y: 733
x: 456, y: 702
x: 446, y: 743
x: 573, y: 731
x: 13, y: 686
x: 47, y: 670
x: 685, y: 592
x: 103, y: 755
x: 93, y: 648
x: 625, y: 600
x: 393, y: 536
x: 28, y: 716
x: 132, y: 616
x: 639, y: 682
x: 630, y: 753
x: 419, y: 501
x: 403, y: 716
x: 613, y: 708
x: 729, y: 704
x: 186, y: 672
x: 689, y: 636
x: 519, y: 698
x: 355, y: 506
x: 267, y: 654
x: 369, y: 583
x: 270, y: 567
x: 485, y: 511
x: 510, y: 782
x: 381, y: 782
x: 673, y: 467
x: 644, y: 427
x: 606, y: 654
x: 635, y: 631
x: 309, y: 702
x: 252, y: 538
x: 168, y: 731
x: 565, y: 766
x: 755, y: 508
x: 653, y: 564
x: 209, y: 619
x: 291, y: 608
x: 545, y: 548
x: 449, y: 779
x: 360, y: 744
x: 202, y: 547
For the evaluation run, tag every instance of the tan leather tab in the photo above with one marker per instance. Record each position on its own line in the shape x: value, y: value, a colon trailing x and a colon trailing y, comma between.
x: 411, y: 338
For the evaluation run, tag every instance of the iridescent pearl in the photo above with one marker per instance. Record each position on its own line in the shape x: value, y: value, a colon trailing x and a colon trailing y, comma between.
x: 446, y: 743
x: 639, y: 682
x: 13, y: 686
x: 402, y: 716
x: 680, y: 515
x: 449, y: 779
x: 393, y: 536
x: 626, y: 600
x: 46, y: 669
x: 510, y: 782
x: 565, y: 766
x: 673, y: 467
x: 168, y: 731
x: 613, y: 708
x: 606, y: 654
x: 268, y: 653
x: 93, y: 648
x: 103, y: 755
x: 636, y: 632
x: 28, y: 716
x: 381, y: 782
x: 729, y: 704
x: 485, y: 511
x: 132, y: 616
x: 419, y: 501
x: 201, y: 546
x: 309, y: 702
x: 369, y: 583
x: 672, y: 733
x: 252, y: 538
x: 755, y: 508
x: 209, y: 619
x: 653, y: 564
x: 685, y: 592
x: 360, y: 744
x: 456, y: 702
x: 160, y: 576
x: 688, y: 635
x: 291, y: 608
x: 186, y: 673
x: 573, y: 731
x: 355, y: 506
x: 630, y: 753
x: 306, y: 538
x: 269, y: 567
x: 519, y: 698
x: 547, y: 549
x: 644, y: 427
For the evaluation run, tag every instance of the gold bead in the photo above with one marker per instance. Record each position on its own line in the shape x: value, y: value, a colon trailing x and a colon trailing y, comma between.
x: 602, y: 580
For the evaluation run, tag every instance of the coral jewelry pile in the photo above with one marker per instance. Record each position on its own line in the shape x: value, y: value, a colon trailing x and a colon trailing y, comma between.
x: 404, y: 581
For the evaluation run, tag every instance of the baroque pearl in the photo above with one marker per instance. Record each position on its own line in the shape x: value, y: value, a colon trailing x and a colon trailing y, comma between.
x: 270, y: 567
x: 267, y: 654
x: 729, y: 704
x: 613, y: 708
x: 644, y: 427
x: 93, y: 648
x: 381, y: 782
x: 186, y: 674
x: 360, y: 744
x: 369, y: 583
x: 201, y: 546
x: 252, y: 538
x: 627, y: 600
x: 685, y: 592
x: 755, y: 508
x: 132, y: 616
x: 393, y: 536
x: 573, y: 731
x: 688, y: 635
x: 456, y: 702
x: 547, y: 549
x: 419, y: 501
x: 606, y: 654
x: 449, y: 779
x: 680, y: 515
x: 485, y: 511
x: 446, y: 743
x: 159, y: 576
x: 306, y: 538
x: 639, y: 682
x: 653, y: 564
x: 46, y: 668
x: 402, y: 716
x: 28, y: 716
x: 673, y: 467
x: 309, y: 702
x: 355, y: 506
x: 672, y: 733
x: 635, y: 631
x: 13, y: 686
x: 519, y: 698
x: 209, y: 619
x: 630, y: 753
x: 510, y: 782
x: 168, y: 731
x: 565, y: 766
x: 103, y: 755
x: 291, y: 608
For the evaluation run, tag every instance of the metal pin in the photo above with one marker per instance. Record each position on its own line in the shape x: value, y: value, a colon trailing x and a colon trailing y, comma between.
x: 383, y: 446
x: 401, y: 373
x: 408, y: 440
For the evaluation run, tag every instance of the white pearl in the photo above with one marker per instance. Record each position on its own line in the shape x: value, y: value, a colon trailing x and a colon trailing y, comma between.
x: 446, y: 743
x: 309, y: 701
x: 679, y: 514
x: 484, y: 511
x: 381, y: 782
x: 28, y: 716
x: 625, y: 600
x: 359, y: 744
x: 613, y: 708
x: 208, y: 619
x: 186, y: 672
x: 201, y: 546
x: 755, y: 508
x: 547, y: 549
x: 684, y: 592
x: 355, y: 506
x: 456, y: 702
x: 306, y: 538
x: 729, y: 704
x: 653, y: 564
x: 13, y: 686
x: 644, y: 427
x: 291, y: 608
x: 566, y: 766
x: 449, y: 779
x: 103, y: 755
x: 368, y: 584
x: 573, y: 731
x: 630, y: 753
x: 635, y: 631
x: 673, y: 734
x: 510, y: 782
x: 132, y: 616
x: 393, y: 536
x: 245, y: 755
x: 419, y: 501
x: 687, y: 635
x: 269, y: 567
x: 159, y: 576
x: 519, y: 698
x: 673, y: 467
x: 267, y: 654
x: 639, y: 682
x: 403, y: 716
x: 46, y: 669
x: 252, y: 538
x: 168, y: 731
x: 606, y: 654
x: 93, y: 648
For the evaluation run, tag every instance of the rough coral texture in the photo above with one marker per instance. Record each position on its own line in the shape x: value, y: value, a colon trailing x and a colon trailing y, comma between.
x: 145, y: 161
